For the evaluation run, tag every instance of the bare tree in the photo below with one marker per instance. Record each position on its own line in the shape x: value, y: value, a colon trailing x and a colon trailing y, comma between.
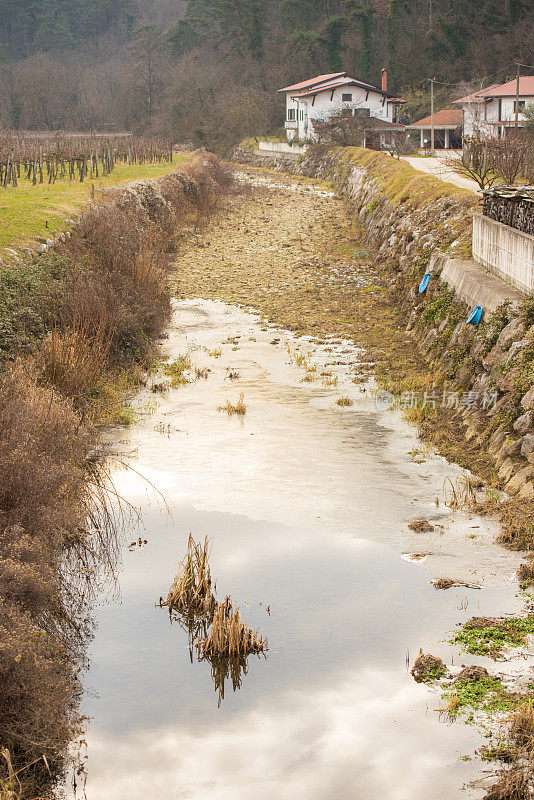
x: 475, y: 162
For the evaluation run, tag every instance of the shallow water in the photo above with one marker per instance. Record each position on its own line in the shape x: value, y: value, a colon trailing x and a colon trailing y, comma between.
x: 307, y: 505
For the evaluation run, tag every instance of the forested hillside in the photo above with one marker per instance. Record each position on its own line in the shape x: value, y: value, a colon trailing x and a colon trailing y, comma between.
x: 206, y: 71
x: 27, y: 26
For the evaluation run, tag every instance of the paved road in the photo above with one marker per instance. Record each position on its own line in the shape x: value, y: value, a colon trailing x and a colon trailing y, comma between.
x: 435, y: 166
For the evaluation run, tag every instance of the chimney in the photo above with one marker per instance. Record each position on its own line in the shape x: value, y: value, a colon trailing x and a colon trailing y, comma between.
x: 384, y: 80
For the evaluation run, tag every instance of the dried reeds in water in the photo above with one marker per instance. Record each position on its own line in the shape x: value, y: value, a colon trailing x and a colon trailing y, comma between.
x: 229, y: 636
x: 191, y: 591
x: 240, y: 408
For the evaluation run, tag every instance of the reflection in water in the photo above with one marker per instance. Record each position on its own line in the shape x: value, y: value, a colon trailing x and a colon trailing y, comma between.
x: 222, y: 667
x: 215, y: 630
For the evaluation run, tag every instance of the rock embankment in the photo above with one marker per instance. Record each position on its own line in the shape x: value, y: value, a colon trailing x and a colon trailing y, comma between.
x: 408, y: 218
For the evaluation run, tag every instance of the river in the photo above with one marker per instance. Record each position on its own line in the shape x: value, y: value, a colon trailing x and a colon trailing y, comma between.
x: 306, y: 504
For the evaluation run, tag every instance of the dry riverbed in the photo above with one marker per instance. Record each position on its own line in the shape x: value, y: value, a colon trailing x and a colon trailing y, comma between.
x: 290, y: 250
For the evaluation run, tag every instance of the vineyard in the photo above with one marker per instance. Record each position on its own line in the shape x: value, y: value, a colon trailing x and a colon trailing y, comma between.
x: 38, y: 158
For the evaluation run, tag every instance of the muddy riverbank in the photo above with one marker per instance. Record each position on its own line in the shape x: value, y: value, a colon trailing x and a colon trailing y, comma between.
x: 308, y: 504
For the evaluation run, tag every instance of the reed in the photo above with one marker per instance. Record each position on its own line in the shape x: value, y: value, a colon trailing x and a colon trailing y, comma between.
x: 229, y: 636
x: 191, y: 593
x: 240, y: 408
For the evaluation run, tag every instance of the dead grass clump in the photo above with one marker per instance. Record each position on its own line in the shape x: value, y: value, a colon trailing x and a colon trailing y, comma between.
x: 522, y: 726
x: 525, y: 574
x: 513, y: 784
x: 229, y: 636
x: 345, y: 402
x: 516, y: 517
x: 443, y: 583
x: 421, y: 526
x: 191, y: 593
x: 240, y: 408
x: 428, y: 668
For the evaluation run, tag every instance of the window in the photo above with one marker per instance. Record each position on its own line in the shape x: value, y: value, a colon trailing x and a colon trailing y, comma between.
x: 519, y: 106
x: 291, y: 114
x: 346, y: 98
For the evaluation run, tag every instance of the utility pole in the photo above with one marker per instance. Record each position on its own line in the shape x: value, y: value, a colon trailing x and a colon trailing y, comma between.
x: 517, y: 98
x: 432, y: 129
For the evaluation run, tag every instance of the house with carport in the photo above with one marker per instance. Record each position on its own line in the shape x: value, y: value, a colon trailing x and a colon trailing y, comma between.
x: 448, y: 125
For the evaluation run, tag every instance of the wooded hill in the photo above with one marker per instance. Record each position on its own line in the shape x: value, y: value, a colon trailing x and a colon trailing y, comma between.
x: 207, y: 70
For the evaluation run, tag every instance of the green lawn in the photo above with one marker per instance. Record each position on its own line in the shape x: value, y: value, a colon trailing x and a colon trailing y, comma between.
x: 27, y: 211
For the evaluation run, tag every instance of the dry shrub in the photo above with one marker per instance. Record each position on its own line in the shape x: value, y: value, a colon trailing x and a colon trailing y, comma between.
x: 73, y: 362
x: 123, y: 282
x: 42, y: 459
x: 43, y: 452
x: 37, y: 712
x: 513, y: 784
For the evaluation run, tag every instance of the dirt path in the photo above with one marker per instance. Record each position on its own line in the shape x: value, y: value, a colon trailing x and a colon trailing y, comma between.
x: 289, y: 248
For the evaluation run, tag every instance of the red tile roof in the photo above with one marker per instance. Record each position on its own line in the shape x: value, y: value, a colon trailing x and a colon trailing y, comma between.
x: 324, y: 83
x: 448, y: 118
x: 332, y: 85
x: 508, y: 89
x: 313, y: 81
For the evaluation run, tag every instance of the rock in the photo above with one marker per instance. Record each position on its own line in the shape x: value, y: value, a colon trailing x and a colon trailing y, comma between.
x: 496, y: 442
x: 528, y: 400
x: 489, y: 361
x: 516, y: 483
x: 527, y: 491
x: 499, y: 405
x: 527, y: 445
x: 513, y: 352
x: 506, y: 471
x: 412, y: 320
x: 506, y: 381
x: 512, y: 448
x: 523, y: 424
x: 429, y: 339
x: 465, y: 376
x: 512, y: 333
x: 474, y: 673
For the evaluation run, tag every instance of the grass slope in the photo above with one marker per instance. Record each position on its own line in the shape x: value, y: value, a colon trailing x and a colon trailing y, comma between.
x: 28, y: 212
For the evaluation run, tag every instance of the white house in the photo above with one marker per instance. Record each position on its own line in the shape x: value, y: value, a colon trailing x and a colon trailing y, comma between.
x: 491, y: 111
x: 317, y: 99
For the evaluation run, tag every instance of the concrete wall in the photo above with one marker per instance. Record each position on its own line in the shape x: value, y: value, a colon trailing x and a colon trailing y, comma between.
x: 282, y: 147
x: 505, y: 251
